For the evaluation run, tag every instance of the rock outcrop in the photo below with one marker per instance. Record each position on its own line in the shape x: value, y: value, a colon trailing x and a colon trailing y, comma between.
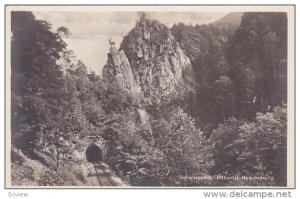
x: 118, y: 75
x: 159, y: 66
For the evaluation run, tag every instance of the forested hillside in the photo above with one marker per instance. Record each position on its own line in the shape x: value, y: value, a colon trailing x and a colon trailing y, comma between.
x: 173, y: 105
x: 205, y: 45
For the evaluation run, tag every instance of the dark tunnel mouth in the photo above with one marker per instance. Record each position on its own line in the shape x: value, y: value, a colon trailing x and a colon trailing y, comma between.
x: 93, y: 153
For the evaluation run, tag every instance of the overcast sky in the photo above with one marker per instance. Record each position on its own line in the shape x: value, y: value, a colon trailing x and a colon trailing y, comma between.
x: 91, y: 30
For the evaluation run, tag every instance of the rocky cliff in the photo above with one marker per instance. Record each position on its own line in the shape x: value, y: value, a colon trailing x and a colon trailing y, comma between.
x: 118, y: 75
x: 158, y: 65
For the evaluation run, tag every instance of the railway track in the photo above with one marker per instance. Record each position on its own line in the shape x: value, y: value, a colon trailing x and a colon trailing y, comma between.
x: 103, y: 175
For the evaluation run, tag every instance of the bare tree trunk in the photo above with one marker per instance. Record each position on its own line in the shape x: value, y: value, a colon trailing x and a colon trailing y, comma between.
x: 256, y: 151
x: 261, y: 99
x: 261, y: 103
x: 257, y: 156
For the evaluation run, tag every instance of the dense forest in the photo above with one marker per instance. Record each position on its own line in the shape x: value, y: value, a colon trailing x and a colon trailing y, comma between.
x: 176, y: 105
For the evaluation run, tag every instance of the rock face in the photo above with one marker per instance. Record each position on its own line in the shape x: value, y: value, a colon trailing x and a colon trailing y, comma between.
x: 150, y: 65
x: 117, y: 74
x: 159, y: 66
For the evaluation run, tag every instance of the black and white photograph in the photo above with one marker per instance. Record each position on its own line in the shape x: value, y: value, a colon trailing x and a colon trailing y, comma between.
x: 149, y: 96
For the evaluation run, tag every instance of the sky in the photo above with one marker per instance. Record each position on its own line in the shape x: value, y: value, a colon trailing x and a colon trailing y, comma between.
x: 91, y: 30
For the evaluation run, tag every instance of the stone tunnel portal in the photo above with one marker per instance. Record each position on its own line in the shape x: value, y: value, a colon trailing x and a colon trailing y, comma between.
x: 94, y: 153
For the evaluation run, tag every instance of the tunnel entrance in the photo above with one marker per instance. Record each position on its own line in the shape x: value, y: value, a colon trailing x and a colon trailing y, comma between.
x: 93, y: 153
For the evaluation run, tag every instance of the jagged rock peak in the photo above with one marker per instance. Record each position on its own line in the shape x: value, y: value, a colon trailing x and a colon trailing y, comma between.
x: 158, y: 64
x: 117, y: 74
x: 149, y: 33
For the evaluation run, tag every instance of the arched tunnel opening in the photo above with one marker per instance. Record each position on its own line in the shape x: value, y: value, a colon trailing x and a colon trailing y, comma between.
x: 93, y: 153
